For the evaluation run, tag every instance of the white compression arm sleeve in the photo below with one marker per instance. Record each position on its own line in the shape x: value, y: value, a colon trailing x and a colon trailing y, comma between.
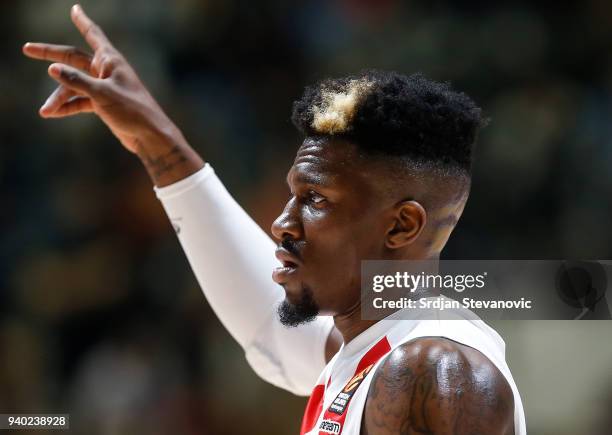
x: 233, y: 258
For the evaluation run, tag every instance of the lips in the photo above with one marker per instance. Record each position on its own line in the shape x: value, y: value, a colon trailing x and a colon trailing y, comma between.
x: 290, y: 264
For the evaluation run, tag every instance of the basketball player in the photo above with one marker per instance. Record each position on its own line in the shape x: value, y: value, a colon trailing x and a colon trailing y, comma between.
x: 383, y: 173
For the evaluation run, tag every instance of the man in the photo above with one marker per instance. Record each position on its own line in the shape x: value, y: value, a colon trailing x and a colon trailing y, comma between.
x: 383, y: 173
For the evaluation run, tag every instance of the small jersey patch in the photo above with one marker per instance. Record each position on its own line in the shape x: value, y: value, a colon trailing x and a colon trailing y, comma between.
x: 343, y: 398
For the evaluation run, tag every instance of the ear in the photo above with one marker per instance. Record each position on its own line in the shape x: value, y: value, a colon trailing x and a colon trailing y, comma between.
x: 409, y: 221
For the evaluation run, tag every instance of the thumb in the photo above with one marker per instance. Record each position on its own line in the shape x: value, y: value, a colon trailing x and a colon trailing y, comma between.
x: 74, y: 79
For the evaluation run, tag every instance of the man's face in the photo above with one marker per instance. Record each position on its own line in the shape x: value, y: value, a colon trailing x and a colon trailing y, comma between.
x: 335, y: 217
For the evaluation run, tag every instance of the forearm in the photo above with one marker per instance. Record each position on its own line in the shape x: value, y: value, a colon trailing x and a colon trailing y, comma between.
x: 230, y: 255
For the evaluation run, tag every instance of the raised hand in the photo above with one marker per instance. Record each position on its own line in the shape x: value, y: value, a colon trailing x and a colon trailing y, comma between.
x: 104, y: 83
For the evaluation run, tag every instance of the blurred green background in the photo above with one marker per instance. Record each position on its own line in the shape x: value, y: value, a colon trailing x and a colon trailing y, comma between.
x: 100, y: 315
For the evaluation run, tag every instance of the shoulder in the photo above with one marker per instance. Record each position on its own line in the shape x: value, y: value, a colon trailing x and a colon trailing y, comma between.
x: 438, y: 386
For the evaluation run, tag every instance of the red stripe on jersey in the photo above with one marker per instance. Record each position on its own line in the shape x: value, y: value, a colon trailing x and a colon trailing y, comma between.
x: 377, y: 351
x: 364, y: 366
x: 313, y: 409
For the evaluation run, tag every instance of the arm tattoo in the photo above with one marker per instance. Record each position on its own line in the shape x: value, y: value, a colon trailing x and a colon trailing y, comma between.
x: 160, y: 165
x: 439, y: 387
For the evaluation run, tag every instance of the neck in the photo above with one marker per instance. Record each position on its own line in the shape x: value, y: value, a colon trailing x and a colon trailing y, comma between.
x: 350, y: 324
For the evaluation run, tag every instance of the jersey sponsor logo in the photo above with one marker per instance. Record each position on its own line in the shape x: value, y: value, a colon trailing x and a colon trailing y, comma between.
x: 329, y: 426
x: 343, y: 398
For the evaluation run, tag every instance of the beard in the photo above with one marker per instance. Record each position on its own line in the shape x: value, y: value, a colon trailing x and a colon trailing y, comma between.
x: 295, y: 314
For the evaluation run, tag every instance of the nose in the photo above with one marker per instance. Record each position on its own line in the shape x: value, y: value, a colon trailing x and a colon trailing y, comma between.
x: 287, y: 224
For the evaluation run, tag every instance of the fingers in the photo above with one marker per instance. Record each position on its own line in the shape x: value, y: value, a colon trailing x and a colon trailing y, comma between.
x: 92, y: 33
x: 58, y: 53
x: 72, y: 107
x: 74, y: 79
x: 60, y: 96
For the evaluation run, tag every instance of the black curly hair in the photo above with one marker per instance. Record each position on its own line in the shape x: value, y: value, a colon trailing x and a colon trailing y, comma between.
x: 393, y: 114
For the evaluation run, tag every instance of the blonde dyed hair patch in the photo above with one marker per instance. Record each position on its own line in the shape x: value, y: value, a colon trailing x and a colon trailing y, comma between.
x: 338, y: 108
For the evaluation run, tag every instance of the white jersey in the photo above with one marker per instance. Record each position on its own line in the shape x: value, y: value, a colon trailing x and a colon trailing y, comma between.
x: 337, y: 402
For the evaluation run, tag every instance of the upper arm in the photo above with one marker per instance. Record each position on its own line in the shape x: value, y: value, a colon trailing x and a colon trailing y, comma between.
x: 438, y: 386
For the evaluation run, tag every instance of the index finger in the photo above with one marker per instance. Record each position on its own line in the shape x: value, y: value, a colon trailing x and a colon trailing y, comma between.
x: 58, y: 53
x: 92, y: 33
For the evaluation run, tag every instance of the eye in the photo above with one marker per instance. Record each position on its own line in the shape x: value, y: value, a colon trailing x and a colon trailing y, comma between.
x: 315, y: 198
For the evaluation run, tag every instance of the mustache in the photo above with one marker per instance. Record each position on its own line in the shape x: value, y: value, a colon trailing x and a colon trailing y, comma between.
x: 292, y: 247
